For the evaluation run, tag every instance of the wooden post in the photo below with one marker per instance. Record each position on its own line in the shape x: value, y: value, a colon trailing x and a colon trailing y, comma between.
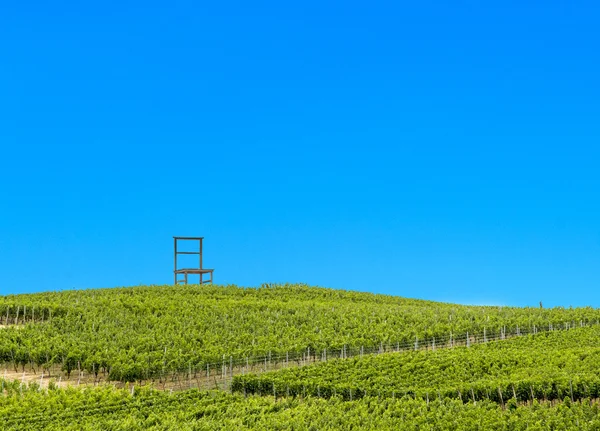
x: 571, y: 386
x: 175, y: 260
x: 200, y: 258
x: 532, y: 396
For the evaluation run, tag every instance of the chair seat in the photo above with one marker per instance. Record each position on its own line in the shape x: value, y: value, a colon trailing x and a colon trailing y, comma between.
x: 193, y: 271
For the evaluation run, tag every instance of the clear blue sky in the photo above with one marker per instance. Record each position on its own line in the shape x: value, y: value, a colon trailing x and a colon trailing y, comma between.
x: 439, y: 150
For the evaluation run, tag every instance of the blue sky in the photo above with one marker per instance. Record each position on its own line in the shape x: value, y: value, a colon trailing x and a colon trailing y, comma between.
x: 438, y: 150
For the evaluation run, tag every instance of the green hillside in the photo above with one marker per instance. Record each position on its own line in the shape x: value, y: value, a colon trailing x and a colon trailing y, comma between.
x: 143, y: 332
x: 343, y: 360
x: 548, y: 365
x: 103, y: 409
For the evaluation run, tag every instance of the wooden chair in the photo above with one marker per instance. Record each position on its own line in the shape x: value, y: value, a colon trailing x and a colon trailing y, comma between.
x: 186, y: 271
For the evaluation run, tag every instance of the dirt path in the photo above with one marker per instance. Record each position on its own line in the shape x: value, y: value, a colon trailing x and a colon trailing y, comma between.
x: 172, y: 382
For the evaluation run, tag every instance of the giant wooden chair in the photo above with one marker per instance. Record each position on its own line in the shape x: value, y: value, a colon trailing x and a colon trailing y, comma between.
x: 187, y: 271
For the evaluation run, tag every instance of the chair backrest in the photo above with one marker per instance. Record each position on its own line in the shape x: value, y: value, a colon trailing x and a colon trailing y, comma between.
x: 176, y: 252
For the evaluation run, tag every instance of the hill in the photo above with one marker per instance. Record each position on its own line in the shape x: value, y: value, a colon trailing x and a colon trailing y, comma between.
x: 294, y: 357
x: 144, y: 332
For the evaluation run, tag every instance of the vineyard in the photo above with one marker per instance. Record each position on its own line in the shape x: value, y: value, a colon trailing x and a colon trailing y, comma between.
x: 143, y: 409
x: 291, y: 357
x: 550, y: 365
x: 145, y: 333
